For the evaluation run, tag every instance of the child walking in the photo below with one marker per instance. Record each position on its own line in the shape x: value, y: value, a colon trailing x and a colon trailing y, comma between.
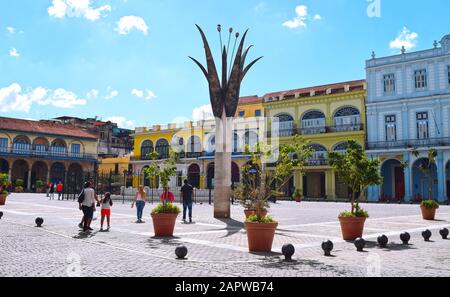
x: 106, y: 204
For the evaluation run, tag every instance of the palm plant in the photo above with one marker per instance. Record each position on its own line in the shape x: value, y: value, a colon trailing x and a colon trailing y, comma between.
x: 426, y: 168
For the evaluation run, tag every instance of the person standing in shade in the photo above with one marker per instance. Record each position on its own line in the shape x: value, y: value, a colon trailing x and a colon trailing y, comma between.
x: 49, y: 185
x: 59, y: 189
x: 52, y: 191
x: 186, y: 197
x: 140, y: 199
x: 87, y: 206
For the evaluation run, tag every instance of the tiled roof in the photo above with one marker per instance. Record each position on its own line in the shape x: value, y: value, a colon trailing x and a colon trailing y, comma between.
x: 250, y: 100
x: 318, y: 89
x: 44, y: 127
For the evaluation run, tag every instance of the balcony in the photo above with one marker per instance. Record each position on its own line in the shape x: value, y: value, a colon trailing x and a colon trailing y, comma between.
x: 45, y: 154
x: 317, y: 162
x: 316, y: 130
x: 411, y: 143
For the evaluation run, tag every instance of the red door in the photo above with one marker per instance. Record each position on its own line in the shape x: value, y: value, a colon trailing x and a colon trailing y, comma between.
x: 399, y: 183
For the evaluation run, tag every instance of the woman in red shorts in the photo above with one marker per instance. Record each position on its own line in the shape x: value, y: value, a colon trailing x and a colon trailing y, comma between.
x: 106, y: 204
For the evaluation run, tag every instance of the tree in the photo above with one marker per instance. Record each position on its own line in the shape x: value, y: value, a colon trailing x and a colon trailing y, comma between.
x: 224, y: 97
x: 264, y: 180
x: 355, y: 168
x: 426, y: 167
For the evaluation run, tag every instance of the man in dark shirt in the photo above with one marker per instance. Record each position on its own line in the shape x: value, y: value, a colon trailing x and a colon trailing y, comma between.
x: 186, y: 196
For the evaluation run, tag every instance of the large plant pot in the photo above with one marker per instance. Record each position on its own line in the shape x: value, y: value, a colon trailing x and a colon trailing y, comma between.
x: 249, y: 213
x: 260, y: 236
x: 298, y: 199
x: 2, y: 199
x: 428, y: 214
x: 352, y: 228
x: 164, y: 224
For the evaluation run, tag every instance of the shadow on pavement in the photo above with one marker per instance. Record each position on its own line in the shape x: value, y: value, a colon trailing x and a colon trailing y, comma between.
x: 232, y: 227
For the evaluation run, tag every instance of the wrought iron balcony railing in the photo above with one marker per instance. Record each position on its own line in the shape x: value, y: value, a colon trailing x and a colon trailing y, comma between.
x: 316, y: 130
x: 47, y: 153
x: 410, y: 143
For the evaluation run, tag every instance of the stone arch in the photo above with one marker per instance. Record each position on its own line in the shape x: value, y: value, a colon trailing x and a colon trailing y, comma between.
x: 393, y: 187
x: 421, y: 181
x: 340, y: 147
x: 162, y: 148
x: 346, y: 116
x: 39, y: 171
x: 177, y: 144
x: 57, y: 172
x: 194, y: 175
x: 20, y: 170
x: 21, y: 144
x: 146, y: 149
x: 286, y: 124
x: 58, y: 147
x: 210, y: 144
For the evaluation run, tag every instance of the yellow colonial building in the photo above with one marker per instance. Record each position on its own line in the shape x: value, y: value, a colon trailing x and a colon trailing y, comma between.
x: 45, y: 151
x: 195, y: 141
x: 327, y: 117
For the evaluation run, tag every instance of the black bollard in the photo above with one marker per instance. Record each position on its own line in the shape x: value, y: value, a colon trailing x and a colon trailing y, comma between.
x: 327, y: 247
x: 288, y: 251
x: 444, y: 232
x: 360, y: 243
x: 426, y: 235
x: 405, y: 238
x: 1, y: 215
x: 39, y: 222
x: 181, y: 252
x: 383, y: 241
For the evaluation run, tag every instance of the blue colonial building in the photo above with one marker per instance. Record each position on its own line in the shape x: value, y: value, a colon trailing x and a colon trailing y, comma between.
x: 408, y: 109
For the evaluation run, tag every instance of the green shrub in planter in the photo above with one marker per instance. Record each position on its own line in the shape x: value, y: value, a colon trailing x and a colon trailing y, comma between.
x: 166, y: 208
x: 430, y: 204
x: 262, y: 220
x: 20, y: 183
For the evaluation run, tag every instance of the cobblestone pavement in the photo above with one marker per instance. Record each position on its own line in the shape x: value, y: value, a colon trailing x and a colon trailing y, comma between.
x: 216, y: 247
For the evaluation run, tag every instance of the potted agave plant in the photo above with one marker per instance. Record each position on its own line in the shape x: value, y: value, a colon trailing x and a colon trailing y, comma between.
x: 261, y: 182
x: 360, y: 172
x: 165, y: 214
x: 429, y: 206
x: 19, y: 186
x: 297, y: 196
x: 4, y: 178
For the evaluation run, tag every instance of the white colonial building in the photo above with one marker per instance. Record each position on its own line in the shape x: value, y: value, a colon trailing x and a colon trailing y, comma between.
x: 408, y: 108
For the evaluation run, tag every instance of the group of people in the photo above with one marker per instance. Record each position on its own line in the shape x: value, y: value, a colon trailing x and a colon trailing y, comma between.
x: 53, y: 188
x: 88, y: 201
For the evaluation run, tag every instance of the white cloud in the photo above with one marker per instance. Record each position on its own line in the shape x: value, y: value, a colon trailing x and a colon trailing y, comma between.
x: 11, y: 30
x: 122, y: 122
x: 405, y: 38
x: 92, y: 94
x: 61, y: 98
x: 202, y: 113
x: 180, y: 120
x: 128, y: 23
x: 14, y: 53
x: 149, y: 95
x: 301, y: 18
x: 77, y: 8
x: 137, y: 93
x: 112, y: 93
x: 13, y: 99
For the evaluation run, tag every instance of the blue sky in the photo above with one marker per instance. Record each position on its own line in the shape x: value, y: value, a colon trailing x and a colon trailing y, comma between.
x: 128, y: 59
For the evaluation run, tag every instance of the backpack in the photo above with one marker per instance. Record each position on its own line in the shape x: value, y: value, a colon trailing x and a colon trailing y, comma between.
x: 81, y: 197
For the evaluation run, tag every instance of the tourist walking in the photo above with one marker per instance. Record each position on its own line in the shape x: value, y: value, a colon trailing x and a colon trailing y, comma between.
x: 52, y: 191
x: 87, y: 201
x: 59, y: 189
x: 106, y: 204
x: 186, y: 197
x: 49, y: 185
x: 140, y: 199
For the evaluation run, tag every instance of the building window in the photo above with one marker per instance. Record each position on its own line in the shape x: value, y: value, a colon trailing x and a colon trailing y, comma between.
x: 422, y: 125
x: 391, y: 128
x: 420, y: 77
x: 3, y: 144
x: 241, y: 114
x: 389, y: 83
x: 76, y: 148
x: 258, y: 113
x: 116, y: 169
x: 448, y: 74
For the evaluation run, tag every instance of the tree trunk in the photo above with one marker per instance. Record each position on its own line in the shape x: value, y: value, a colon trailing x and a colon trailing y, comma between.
x: 222, y: 170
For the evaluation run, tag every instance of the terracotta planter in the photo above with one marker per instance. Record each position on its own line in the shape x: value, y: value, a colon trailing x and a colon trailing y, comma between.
x: 352, y: 228
x: 298, y: 199
x: 164, y: 224
x: 2, y: 199
x: 249, y: 213
x: 428, y: 214
x: 260, y: 236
